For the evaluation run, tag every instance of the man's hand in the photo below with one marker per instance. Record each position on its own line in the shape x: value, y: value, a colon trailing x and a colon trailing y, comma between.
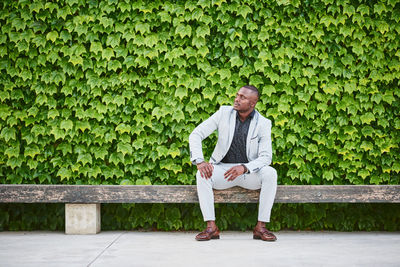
x: 205, y: 169
x: 234, y: 172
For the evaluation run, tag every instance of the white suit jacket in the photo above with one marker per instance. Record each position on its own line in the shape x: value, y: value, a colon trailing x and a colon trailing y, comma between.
x: 258, y: 145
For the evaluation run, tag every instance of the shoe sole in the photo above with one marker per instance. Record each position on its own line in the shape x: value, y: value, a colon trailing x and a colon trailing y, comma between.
x: 259, y: 237
x: 213, y: 237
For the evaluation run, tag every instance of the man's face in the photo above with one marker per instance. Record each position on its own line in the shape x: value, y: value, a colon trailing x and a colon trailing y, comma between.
x: 245, y: 100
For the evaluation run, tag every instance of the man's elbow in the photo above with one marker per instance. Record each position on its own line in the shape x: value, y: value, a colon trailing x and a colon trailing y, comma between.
x: 193, y: 137
x: 266, y: 158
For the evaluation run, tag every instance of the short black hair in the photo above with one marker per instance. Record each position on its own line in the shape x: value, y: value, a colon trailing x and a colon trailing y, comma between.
x: 252, y: 88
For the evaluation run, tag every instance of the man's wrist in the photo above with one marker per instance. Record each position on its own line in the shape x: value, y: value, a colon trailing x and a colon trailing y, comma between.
x: 245, y: 169
x: 198, y: 161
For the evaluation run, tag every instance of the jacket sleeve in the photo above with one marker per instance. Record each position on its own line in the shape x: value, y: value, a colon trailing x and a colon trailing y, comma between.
x: 201, y: 132
x: 264, y: 150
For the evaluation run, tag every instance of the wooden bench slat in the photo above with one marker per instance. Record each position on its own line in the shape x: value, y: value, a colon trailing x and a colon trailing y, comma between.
x: 27, y: 193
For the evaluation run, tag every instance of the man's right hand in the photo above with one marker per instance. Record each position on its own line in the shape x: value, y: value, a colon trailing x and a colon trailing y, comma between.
x: 205, y: 169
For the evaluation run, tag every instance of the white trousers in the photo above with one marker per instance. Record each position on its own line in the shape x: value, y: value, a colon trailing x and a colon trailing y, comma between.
x: 265, y: 178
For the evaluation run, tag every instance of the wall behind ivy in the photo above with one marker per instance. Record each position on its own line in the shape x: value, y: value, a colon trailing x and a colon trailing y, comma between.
x: 107, y: 92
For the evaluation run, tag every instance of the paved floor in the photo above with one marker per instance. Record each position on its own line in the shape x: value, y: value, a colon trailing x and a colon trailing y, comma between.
x: 180, y: 249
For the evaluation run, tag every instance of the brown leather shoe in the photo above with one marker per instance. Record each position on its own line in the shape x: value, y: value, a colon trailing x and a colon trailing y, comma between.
x: 208, y: 234
x: 263, y: 234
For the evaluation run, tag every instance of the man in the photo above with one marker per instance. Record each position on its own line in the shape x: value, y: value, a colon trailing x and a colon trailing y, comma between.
x: 241, y: 158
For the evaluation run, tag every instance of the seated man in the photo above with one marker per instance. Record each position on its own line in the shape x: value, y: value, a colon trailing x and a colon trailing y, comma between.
x: 241, y: 158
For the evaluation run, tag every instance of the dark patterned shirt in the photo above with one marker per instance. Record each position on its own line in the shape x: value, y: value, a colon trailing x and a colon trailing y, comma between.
x: 237, y: 151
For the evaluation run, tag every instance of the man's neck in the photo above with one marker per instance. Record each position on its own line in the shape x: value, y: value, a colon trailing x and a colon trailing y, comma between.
x: 244, y: 115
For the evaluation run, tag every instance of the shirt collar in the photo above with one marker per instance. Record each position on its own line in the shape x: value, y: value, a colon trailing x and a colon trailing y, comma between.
x: 251, y: 115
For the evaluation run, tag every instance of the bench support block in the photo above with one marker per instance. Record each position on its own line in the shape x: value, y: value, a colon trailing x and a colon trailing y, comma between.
x: 82, y: 219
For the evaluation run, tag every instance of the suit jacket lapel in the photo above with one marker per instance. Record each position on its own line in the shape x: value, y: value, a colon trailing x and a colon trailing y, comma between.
x: 232, y: 124
x: 252, y: 127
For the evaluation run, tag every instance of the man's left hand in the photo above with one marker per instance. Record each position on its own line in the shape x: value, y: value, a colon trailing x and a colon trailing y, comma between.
x: 234, y: 172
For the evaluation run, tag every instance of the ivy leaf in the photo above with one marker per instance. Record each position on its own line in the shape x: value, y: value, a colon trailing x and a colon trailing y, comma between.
x: 96, y: 47
x: 65, y: 148
x: 367, y: 118
x: 246, y: 71
x: 84, y: 158
x: 382, y: 26
x: 202, y: 31
x: 14, y: 162
x: 357, y: 48
x: 183, y: 30
x: 165, y: 17
x: 151, y: 40
x: 18, y: 24
x: 81, y: 29
x: 291, y: 138
x: 263, y: 35
x: 396, y: 167
x: 236, y: 61
x: 123, y: 128
x: 40, y: 41
x: 100, y: 153
x: 256, y: 80
x: 197, y: 14
x: 12, y: 151
x: 299, y: 108
x: 31, y: 151
x: 366, y: 146
x: 379, y: 8
x: 142, y: 61
x: 107, y: 54
x: 58, y: 133
x: 116, y: 158
x: 114, y: 65
x: 364, y: 173
x: 119, y: 100
x: 67, y: 125
x: 52, y: 114
x: 181, y: 92
x: 83, y: 125
x: 328, y: 175
x: 129, y: 62
x: 8, y: 133
x: 142, y: 28
x: 106, y: 22
x: 363, y: 10
x: 224, y: 73
x: 32, y: 164
x: 145, y: 181
x: 244, y: 10
x: 113, y: 40
x: 208, y: 93
x: 124, y: 148
x: 26, y: 75
x: 52, y: 36
x: 178, y: 115
x: 75, y: 60
x: 63, y: 12
x: 388, y: 97
x: 269, y: 90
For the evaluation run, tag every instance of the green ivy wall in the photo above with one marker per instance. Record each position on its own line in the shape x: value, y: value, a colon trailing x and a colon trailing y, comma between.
x: 107, y: 92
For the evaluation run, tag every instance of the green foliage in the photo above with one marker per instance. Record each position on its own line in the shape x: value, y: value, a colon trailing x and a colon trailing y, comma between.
x: 107, y: 92
x: 338, y: 217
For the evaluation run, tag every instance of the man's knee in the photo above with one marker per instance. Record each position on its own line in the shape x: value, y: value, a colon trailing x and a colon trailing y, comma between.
x: 200, y: 179
x: 269, y: 174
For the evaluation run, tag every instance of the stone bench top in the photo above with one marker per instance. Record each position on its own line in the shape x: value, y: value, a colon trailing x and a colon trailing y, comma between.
x: 31, y: 193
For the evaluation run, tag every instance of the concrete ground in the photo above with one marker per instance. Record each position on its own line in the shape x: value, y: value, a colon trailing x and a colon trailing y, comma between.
x: 180, y: 249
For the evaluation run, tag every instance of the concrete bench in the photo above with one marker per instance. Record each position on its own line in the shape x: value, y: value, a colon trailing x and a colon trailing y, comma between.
x: 82, y: 202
